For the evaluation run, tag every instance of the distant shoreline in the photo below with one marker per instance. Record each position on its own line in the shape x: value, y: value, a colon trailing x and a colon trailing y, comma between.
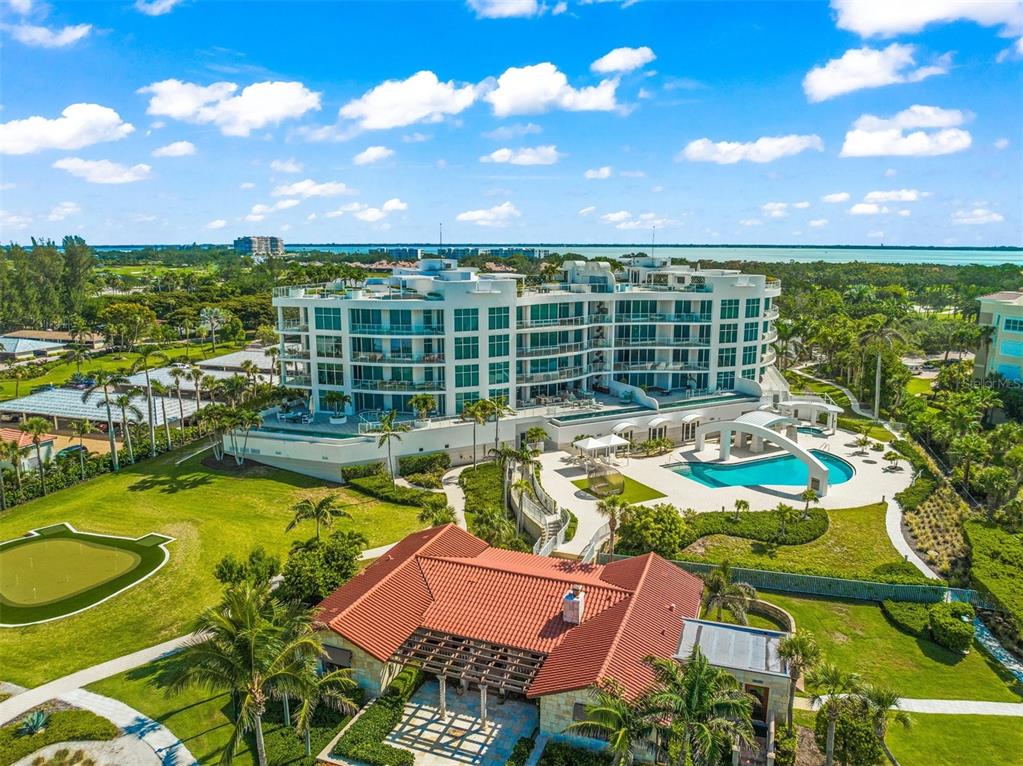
x: 637, y: 245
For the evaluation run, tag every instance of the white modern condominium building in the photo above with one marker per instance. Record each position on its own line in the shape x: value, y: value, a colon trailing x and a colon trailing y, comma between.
x: 651, y: 330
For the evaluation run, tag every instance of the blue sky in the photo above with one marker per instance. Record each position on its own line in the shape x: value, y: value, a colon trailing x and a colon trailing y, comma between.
x: 854, y: 121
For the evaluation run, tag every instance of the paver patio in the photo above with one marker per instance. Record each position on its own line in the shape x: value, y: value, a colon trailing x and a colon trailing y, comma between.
x: 460, y: 738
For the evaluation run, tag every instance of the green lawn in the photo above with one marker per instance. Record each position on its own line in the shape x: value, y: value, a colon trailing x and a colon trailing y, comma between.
x: 858, y: 637
x: 752, y: 620
x: 965, y: 740
x: 917, y: 386
x: 856, y: 545
x: 209, y: 513
x: 633, y: 492
x: 60, y: 373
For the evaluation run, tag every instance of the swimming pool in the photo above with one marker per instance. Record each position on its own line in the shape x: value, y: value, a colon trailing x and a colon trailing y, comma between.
x: 811, y: 430
x: 784, y: 470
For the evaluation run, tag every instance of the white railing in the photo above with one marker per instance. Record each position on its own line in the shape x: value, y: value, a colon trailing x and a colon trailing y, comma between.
x: 589, y: 553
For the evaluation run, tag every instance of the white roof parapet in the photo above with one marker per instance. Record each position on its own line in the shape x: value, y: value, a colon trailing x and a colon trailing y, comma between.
x: 820, y: 405
x: 623, y: 426
x: 658, y: 421
x: 766, y: 419
x: 692, y: 417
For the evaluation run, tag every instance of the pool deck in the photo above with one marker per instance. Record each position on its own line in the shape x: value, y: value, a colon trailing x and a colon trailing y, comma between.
x: 870, y: 484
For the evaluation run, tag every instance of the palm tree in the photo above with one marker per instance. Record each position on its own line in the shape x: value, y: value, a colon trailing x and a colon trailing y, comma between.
x: 701, y: 709
x: 492, y: 525
x: 741, y: 506
x: 124, y: 403
x: 77, y: 354
x: 178, y: 374
x: 10, y: 452
x: 786, y: 515
x: 967, y: 450
x: 323, y: 511
x: 251, y: 371
x: 37, y: 428
x: 390, y: 430
x: 150, y: 354
x: 162, y: 391
x: 422, y: 404
x: 880, y: 702
x: 625, y: 724
x: 272, y: 352
x: 613, y: 509
x: 81, y: 429
x: 19, y: 374
x: 244, y: 421
x: 333, y: 689
x: 197, y: 376
x: 801, y: 652
x: 107, y: 381
x: 338, y: 400
x: 882, y: 331
x: 496, y: 408
x: 808, y: 496
x: 476, y: 412
x: 212, y: 319
x: 505, y: 456
x: 720, y: 593
x: 3, y: 484
x: 830, y: 683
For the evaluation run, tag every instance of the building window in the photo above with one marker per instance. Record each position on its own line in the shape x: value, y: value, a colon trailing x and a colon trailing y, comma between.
x: 730, y: 308
x: 400, y: 318
x: 752, y: 307
x: 728, y: 333
x: 463, y: 398
x: 365, y: 317
x: 467, y: 376
x: 749, y: 355
x: 750, y: 374
x: 498, y: 394
x: 467, y: 320
x: 331, y: 374
x: 330, y: 346
x: 497, y: 317
x: 467, y: 347
x: 499, y: 345
x: 499, y: 373
x: 1013, y: 325
x: 327, y: 318
x: 726, y: 381
x: 726, y: 357
x: 751, y: 331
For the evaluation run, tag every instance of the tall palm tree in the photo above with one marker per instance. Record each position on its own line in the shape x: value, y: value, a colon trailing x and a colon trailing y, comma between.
x: 333, y: 690
x: 497, y: 408
x: 625, y: 724
x: 390, y: 430
x: 37, y: 428
x: 212, y: 319
x: 251, y: 371
x: 701, y: 709
x: 967, y: 450
x: 477, y: 413
x: 3, y: 484
x: 81, y: 429
x: 881, y: 701
x: 160, y: 390
x: 179, y: 374
x: 786, y: 515
x: 323, y: 511
x: 125, y: 405
x: 613, y: 509
x: 830, y: 683
x: 808, y: 496
x: 882, y: 331
x: 801, y: 652
x: 107, y: 382
x: 77, y: 354
x: 272, y: 352
x: 10, y: 452
x: 197, y: 376
x: 149, y: 355
x: 505, y: 456
x: 741, y: 506
x: 720, y: 594
x: 18, y: 374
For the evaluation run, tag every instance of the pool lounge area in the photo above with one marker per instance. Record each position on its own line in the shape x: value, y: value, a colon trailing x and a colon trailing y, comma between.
x: 779, y: 470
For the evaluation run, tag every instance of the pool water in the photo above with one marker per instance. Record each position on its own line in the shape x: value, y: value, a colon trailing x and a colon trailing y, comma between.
x: 810, y: 430
x: 783, y: 470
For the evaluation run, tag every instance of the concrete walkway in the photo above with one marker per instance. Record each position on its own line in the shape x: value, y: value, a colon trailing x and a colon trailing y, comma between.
x: 170, y: 749
x: 22, y: 703
x: 946, y: 707
x: 456, y: 498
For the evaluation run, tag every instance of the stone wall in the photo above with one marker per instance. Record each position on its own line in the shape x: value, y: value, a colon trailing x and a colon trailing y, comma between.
x: 557, y: 714
x: 368, y: 672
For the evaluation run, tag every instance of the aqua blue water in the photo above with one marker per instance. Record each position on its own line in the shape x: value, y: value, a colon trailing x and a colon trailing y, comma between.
x: 810, y: 430
x: 784, y: 470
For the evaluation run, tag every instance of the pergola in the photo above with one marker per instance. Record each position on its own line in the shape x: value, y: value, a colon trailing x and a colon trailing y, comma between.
x: 470, y: 661
x: 810, y: 409
x: 605, y: 445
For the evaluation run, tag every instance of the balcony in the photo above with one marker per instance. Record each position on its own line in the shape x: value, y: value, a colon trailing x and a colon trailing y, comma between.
x: 662, y: 367
x: 304, y: 381
x: 375, y: 329
x: 380, y: 358
x: 287, y: 327
x: 771, y: 313
x: 661, y: 288
x: 565, y: 373
x: 771, y: 336
x: 568, y: 321
x: 397, y: 385
x: 564, y: 348
x: 769, y: 357
x: 658, y: 317
x: 662, y: 342
x: 773, y: 284
x: 295, y: 352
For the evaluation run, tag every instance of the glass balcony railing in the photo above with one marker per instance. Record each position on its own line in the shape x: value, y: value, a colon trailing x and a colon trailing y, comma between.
x: 564, y: 348
x: 392, y: 358
x: 570, y: 321
x: 565, y: 373
x: 294, y: 326
x: 298, y: 380
x: 659, y: 317
x: 661, y: 367
x: 662, y: 342
x: 375, y: 329
x: 372, y: 384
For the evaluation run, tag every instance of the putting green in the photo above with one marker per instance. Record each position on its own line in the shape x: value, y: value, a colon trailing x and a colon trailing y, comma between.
x: 56, y: 571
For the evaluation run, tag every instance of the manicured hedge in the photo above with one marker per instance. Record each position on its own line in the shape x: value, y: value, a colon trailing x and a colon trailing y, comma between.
x: 362, y: 470
x: 757, y: 525
x: 561, y: 754
x: 364, y: 740
x: 948, y: 628
x: 573, y: 526
x: 379, y: 486
x: 425, y: 480
x: 908, y: 616
x: 427, y: 462
x: 482, y: 487
x: 62, y: 726
x: 996, y: 568
x: 925, y: 483
x: 520, y: 753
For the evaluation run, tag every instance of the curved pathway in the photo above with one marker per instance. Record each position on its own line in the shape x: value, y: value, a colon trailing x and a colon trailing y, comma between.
x: 945, y: 707
x: 456, y: 498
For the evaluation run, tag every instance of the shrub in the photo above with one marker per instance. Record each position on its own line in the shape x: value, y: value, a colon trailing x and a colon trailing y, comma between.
x: 379, y: 486
x: 573, y: 525
x: 283, y: 747
x: 913, y: 496
x: 658, y: 528
x: 425, y: 480
x: 996, y: 560
x: 62, y: 726
x: 520, y: 753
x: 785, y: 745
x: 947, y: 626
x: 562, y: 754
x: 364, y: 740
x: 427, y: 462
x: 855, y: 741
x: 482, y: 487
x: 908, y: 616
x: 361, y: 470
x: 758, y: 525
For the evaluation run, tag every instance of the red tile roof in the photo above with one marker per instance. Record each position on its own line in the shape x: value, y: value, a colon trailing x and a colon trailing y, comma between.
x: 23, y: 439
x: 447, y: 580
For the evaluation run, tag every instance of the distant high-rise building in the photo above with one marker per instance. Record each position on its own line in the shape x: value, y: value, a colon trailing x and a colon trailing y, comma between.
x: 259, y: 247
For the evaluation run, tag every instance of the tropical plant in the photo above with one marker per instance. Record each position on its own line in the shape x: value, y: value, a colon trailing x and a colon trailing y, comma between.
x: 125, y: 404
x: 34, y: 723
x: 497, y: 407
x: 77, y: 355
x: 721, y: 594
x: 536, y: 435
x: 612, y: 508
x: 179, y: 374
x: 212, y: 319
x: 882, y: 331
x: 892, y: 458
x: 81, y: 429
x: 801, y: 653
x: 337, y: 401
x: 160, y: 390
x: 435, y: 514
x: 808, y: 496
x: 476, y: 412
x: 107, y: 382
x: 625, y: 724
x: 741, y: 506
x: 521, y: 488
x: 422, y: 404
x: 10, y: 452
x: 883, y: 702
x: 786, y: 515
x: 323, y: 511
x: 830, y: 683
x: 37, y: 428
x: 335, y: 690
x: 390, y: 430
x: 492, y: 525
x: 149, y: 355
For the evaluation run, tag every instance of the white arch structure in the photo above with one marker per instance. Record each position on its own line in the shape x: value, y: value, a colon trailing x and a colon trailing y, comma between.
x: 810, y: 409
x: 757, y: 427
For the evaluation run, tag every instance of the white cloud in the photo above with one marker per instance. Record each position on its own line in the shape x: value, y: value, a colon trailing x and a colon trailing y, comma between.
x: 775, y: 209
x: 397, y: 103
x: 816, y: 223
x: 102, y: 171
x: 247, y: 185
x: 750, y: 222
x: 286, y: 166
x: 766, y: 149
x: 836, y: 197
x: 534, y: 155
x: 632, y: 174
x: 598, y: 173
x: 393, y: 205
x: 541, y: 87
x: 497, y: 216
x: 1001, y: 143
x: 350, y: 207
x: 63, y: 210
x: 623, y: 60
x: 311, y: 217
x: 260, y: 211
x: 616, y: 217
x: 976, y: 216
x: 803, y: 205
x: 936, y: 134
x: 588, y: 210
x: 10, y: 220
x: 518, y: 130
x: 870, y: 18
x: 78, y: 126
x: 644, y: 221
x: 155, y: 7
x: 21, y: 7
x: 217, y: 223
x: 559, y: 8
x: 372, y: 154
x: 861, y: 68
x: 310, y: 188
x: 904, y: 213
x: 506, y: 9
x: 256, y: 106
x: 896, y: 195
x: 414, y: 138
x: 370, y: 214
x: 176, y: 149
x: 867, y: 208
x: 890, y: 173
x: 44, y: 37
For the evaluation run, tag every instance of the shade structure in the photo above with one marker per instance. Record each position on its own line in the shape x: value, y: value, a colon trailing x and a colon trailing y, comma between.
x: 660, y: 420
x: 625, y: 425
x: 692, y: 417
x: 67, y: 403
